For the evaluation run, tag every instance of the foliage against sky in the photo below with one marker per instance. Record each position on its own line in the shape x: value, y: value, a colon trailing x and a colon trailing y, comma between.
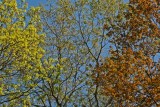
x: 130, y: 76
x: 82, y: 53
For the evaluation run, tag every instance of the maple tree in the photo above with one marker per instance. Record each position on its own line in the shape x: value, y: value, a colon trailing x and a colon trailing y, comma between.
x: 130, y: 76
x: 20, y: 53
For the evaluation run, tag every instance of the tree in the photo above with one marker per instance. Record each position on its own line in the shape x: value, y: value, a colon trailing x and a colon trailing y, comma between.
x: 67, y: 67
x: 20, y: 53
x: 130, y: 76
x: 75, y: 42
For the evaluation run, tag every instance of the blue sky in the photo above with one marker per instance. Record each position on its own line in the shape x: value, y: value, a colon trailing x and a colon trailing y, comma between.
x: 37, y: 2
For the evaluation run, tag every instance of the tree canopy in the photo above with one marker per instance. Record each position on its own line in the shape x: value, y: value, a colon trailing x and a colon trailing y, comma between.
x: 80, y: 53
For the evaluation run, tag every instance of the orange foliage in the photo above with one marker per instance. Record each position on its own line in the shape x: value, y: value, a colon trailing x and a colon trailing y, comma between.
x: 130, y: 75
x: 130, y: 78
